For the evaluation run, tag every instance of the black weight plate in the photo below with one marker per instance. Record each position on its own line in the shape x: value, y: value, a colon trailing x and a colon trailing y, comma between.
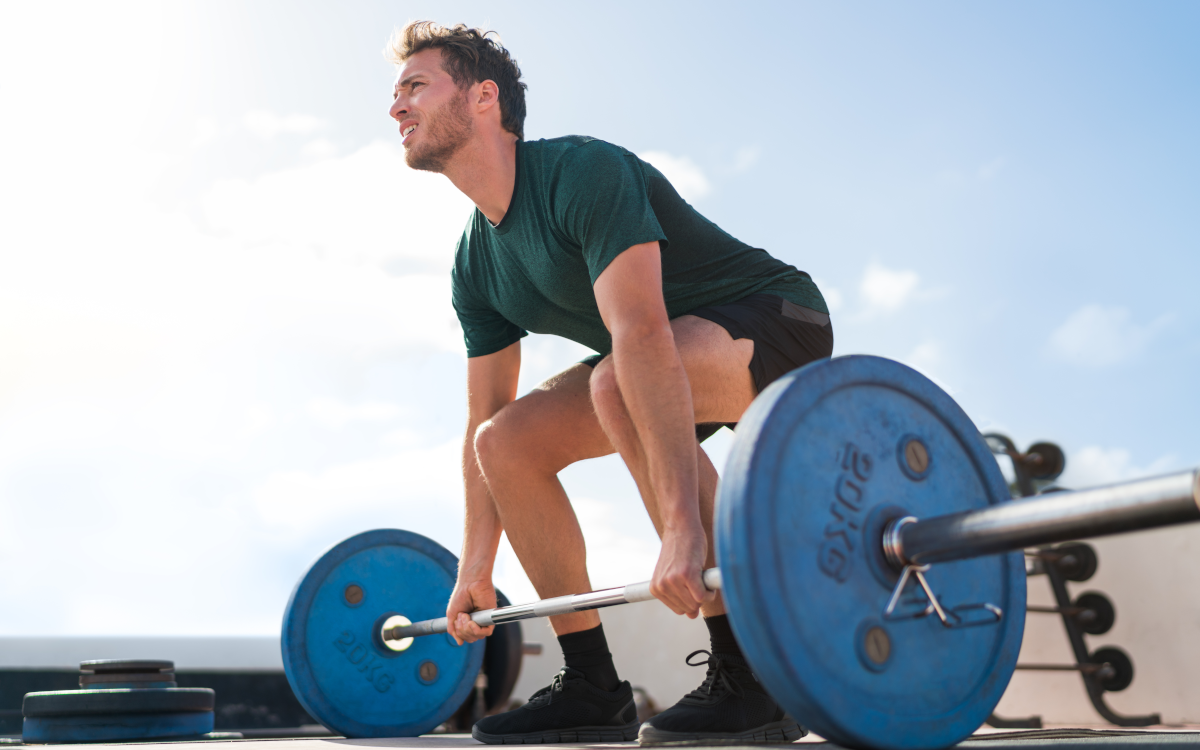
x: 127, y: 665
x: 502, y: 654
x: 139, y: 701
x: 823, y: 458
x: 502, y: 660
x: 110, y: 680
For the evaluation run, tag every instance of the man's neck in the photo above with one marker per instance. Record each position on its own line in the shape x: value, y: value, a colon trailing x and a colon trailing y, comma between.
x: 485, y: 170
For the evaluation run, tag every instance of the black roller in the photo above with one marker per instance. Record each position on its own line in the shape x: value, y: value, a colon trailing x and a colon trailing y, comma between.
x: 1076, y: 561
x: 1044, y: 461
x: 1116, y: 672
x: 1098, y: 614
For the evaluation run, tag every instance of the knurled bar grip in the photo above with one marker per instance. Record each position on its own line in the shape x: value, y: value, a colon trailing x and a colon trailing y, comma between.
x: 559, y: 605
x: 1055, y: 517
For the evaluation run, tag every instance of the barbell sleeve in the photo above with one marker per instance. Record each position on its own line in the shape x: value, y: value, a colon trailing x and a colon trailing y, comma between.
x: 559, y: 605
x: 1055, y: 517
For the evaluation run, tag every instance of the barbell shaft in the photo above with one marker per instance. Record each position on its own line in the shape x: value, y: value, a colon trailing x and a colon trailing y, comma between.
x: 1056, y: 517
x: 559, y: 605
x: 1059, y: 517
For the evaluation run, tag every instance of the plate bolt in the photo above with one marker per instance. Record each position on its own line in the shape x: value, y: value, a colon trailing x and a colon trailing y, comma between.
x: 353, y: 594
x: 877, y: 645
x: 917, y: 456
x: 428, y: 671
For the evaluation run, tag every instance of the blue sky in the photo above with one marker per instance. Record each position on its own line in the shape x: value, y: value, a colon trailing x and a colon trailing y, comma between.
x: 225, y: 336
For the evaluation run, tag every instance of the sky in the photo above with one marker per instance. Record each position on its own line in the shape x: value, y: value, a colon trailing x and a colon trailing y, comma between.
x: 226, y: 340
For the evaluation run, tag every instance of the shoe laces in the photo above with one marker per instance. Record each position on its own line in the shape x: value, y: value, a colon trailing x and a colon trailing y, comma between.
x: 717, y: 680
x: 548, y: 693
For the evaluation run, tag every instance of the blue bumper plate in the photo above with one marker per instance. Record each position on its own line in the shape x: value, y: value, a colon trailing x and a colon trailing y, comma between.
x: 116, y: 727
x: 824, y: 458
x: 334, y: 656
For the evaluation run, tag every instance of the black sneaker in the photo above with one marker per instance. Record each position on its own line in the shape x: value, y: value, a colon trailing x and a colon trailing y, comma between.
x: 730, y: 708
x: 570, y: 709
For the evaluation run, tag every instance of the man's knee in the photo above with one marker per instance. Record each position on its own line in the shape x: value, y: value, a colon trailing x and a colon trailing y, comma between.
x: 498, y: 442
x: 606, y: 394
x: 487, y: 445
x: 516, y: 438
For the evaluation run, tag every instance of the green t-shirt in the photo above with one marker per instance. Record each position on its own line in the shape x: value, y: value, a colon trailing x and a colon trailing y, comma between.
x: 577, y: 204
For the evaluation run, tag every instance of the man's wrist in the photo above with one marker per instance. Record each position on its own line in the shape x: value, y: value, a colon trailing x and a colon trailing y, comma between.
x: 476, y: 570
x: 684, y: 524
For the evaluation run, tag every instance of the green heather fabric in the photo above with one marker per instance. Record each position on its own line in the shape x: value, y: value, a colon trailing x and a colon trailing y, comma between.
x: 578, y: 203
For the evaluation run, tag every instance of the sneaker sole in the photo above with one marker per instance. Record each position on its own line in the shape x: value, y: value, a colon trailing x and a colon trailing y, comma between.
x: 576, y: 734
x: 774, y: 733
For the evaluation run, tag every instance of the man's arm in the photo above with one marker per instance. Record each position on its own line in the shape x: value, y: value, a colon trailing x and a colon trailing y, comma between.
x: 658, y: 397
x: 491, y: 385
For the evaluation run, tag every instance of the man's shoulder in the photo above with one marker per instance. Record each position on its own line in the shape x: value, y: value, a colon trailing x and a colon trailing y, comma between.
x: 569, y: 149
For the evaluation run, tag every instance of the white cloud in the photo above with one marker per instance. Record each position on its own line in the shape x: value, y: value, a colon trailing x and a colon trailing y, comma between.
x: 885, y: 290
x: 236, y: 392
x: 267, y: 125
x: 410, y: 487
x: 746, y: 157
x: 1093, y: 465
x: 928, y: 358
x: 925, y: 355
x: 336, y: 414
x: 1098, y: 336
x: 321, y: 148
x: 684, y: 174
x: 365, y: 207
x: 206, y: 131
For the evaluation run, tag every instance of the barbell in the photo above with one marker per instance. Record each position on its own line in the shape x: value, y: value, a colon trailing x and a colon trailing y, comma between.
x: 868, y: 553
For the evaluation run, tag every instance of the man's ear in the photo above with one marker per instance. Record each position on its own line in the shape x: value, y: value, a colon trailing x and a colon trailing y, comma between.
x: 488, y: 95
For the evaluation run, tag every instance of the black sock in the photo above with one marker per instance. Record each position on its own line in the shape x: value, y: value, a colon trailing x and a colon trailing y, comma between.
x: 720, y: 635
x: 588, y: 652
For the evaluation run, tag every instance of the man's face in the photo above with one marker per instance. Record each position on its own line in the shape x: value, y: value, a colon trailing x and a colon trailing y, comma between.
x: 432, y: 111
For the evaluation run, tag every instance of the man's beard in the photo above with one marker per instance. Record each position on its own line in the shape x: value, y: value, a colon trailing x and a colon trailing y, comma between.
x: 446, y: 131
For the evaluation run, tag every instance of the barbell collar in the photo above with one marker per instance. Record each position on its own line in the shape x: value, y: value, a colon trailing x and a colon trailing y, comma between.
x: 559, y: 605
x: 1057, y: 517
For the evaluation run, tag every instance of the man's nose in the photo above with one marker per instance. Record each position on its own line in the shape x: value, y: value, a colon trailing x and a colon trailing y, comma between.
x: 398, y: 109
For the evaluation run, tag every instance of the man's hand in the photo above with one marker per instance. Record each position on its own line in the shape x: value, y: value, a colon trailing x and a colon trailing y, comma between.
x: 678, y: 581
x: 469, y: 596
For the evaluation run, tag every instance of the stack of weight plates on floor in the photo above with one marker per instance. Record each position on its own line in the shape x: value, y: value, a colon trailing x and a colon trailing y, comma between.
x: 119, y: 699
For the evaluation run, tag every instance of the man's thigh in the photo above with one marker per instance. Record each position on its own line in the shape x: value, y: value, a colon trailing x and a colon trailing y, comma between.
x: 718, y: 368
x: 555, y: 423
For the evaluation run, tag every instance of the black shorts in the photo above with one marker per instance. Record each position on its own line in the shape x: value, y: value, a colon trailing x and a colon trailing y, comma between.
x: 785, y: 336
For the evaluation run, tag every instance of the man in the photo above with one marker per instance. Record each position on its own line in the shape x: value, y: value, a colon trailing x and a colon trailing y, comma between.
x: 578, y: 237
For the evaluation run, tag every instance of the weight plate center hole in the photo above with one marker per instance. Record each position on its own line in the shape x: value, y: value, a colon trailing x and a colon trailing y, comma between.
x: 391, y: 622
